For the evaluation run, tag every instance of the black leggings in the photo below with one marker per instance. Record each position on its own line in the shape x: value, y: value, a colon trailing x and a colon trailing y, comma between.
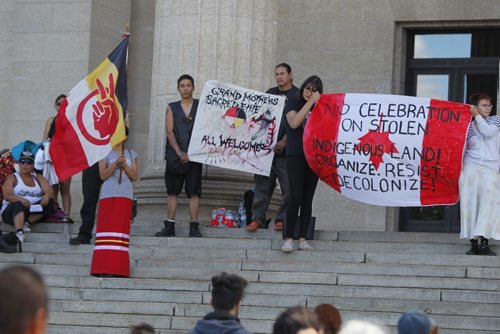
x: 14, y: 208
x: 303, y: 183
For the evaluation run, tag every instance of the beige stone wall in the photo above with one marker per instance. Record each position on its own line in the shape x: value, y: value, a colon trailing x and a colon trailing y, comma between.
x: 359, y: 46
x: 139, y: 75
x: 46, y: 48
x: 6, y: 21
x: 232, y: 41
x: 109, y: 19
x: 48, y: 53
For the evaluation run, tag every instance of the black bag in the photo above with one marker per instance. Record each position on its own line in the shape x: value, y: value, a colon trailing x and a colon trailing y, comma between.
x: 248, y: 203
x: 10, y: 243
x: 134, y: 208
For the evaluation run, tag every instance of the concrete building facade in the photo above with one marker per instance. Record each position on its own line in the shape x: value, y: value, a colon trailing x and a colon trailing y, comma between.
x: 47, y: 46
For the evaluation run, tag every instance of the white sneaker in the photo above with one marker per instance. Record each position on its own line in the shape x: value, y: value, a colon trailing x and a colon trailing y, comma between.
x: 287, y: 246
x: 20, y: 236
x: 304, y: 245
x: 27, y: 227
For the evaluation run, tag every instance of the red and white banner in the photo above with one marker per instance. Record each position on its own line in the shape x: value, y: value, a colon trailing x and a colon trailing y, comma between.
x: 388, y: 150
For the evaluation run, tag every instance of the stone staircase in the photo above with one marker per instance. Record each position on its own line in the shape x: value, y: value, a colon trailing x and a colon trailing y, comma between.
x: 367, y: 275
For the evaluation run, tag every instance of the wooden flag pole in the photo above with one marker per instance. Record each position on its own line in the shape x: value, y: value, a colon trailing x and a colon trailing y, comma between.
x: 126, y: 33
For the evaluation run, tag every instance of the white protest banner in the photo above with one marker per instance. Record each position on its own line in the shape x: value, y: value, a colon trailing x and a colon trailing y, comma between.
x: 388, y: 150
x: 236, y: 128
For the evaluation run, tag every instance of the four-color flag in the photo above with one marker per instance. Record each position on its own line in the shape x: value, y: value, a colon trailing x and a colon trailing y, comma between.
x: 90, y: 121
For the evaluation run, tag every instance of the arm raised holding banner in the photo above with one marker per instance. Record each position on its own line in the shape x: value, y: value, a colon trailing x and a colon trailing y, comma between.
x: 296, y: 118
x: 488, y: 130
x: 302, y: 179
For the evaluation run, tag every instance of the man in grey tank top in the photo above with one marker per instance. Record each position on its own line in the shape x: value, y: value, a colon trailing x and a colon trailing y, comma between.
x: 180, y: 172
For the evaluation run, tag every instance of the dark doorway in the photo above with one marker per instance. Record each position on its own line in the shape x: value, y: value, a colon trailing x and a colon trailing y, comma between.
x: 448, y: 65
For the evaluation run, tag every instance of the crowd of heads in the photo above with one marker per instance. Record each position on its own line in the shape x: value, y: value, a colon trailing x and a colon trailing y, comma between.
x: 24, y: 309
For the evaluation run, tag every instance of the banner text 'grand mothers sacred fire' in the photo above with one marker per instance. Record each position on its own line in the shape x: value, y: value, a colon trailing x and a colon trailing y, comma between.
x: 236, y: 128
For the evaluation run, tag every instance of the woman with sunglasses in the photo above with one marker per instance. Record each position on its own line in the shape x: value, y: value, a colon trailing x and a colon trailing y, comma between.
x: 302, y: 179
x: 27, y: 196
x: 480, y: 179
x: 62, y: 186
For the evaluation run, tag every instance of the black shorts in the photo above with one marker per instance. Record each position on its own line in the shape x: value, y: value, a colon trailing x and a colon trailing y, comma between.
x: 192, y: 180
x: 12, y: 210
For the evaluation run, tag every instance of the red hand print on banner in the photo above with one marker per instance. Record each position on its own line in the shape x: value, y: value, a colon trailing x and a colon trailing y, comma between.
x: 105, y: 110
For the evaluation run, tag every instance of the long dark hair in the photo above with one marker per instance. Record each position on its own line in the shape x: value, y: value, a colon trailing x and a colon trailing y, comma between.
x: 314, y: 83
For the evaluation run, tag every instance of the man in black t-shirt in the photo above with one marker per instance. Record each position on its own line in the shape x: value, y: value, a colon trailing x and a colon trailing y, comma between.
x: 264, y: 185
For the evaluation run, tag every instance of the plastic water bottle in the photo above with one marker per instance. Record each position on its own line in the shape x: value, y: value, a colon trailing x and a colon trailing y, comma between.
x: 243, y: 217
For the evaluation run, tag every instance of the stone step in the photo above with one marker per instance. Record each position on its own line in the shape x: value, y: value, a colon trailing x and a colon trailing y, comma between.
x: 258, y: 294
x: 148, y: 267
x: 160, y: 273
x: 491, y: 263
x: 345, y: 291
x: 435, y: 259
x: 368, y: 275
x: 112, y: 307
x: 301, y: 282
x: 63, y: 329
x: 382, y: 247
x: 265, y: 243
x: 390, y: 239
x: 143, y: 262
x: 106, y: 320
x: 148, y: 227
x: 125, y: 283
x: 419, y: 282
x: 260, y: 313
x: 400, y: 305
x: 355, y: 268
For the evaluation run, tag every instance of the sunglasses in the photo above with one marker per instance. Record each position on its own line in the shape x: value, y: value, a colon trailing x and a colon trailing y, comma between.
x: 25, y: 162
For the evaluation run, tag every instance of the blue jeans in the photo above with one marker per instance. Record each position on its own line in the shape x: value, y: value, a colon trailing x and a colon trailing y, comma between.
x: 264, y: 189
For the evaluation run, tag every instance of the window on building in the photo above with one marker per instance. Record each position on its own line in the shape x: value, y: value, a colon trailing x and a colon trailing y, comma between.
x: 449, y: 65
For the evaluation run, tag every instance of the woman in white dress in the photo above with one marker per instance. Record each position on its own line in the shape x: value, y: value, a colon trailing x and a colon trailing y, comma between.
x: 480, y: 178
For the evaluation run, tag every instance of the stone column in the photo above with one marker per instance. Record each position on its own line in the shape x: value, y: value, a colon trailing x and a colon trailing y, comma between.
x: 231, y: 41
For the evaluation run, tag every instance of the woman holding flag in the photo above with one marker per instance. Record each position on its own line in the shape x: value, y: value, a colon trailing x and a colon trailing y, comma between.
x: 480, y: 178
x: 302, y: 179
x: 118, y: 170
